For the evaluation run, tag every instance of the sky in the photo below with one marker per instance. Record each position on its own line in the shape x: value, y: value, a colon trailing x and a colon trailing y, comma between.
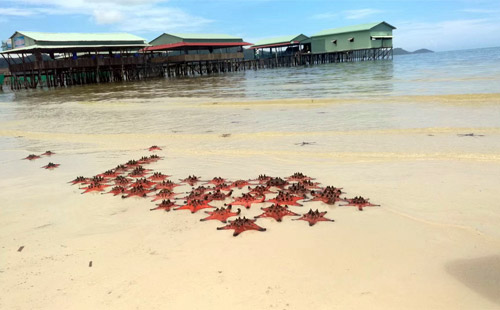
x: 439, y: 25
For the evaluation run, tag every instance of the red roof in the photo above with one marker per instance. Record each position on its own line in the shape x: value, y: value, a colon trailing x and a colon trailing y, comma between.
x: 181, y: 45
x: 276, y: 45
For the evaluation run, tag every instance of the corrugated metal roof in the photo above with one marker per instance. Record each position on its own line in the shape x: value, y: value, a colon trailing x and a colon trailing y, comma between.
x: 77, y: 48
x: 361, y: 27
x: 210, y: 36
x: 181, y: 45
x: 68, y: 37
x: 278, y: 40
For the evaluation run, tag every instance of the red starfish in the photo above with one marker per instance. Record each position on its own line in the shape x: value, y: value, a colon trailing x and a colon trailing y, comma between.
x: 32, y: 157
x: 329, y: 195
x: 132, y: 163
x: 79, y: 180
x: 217, y: 181
x: 121, y: 168
x: 240, y: 225
x: 247, y: 200
x: 143, y: 182
x: 121, y: 180
x: 284, y: 198
x: 158, y: 176
x: 191, y: 180
x: 218, y: 195
x: 164, y: 205
x: 166, y: 185
x: 109, y: 174
x: 276, y: 212
x: 298, y: 176
x: 154, y: 148
x: 48, y: 153
x: 221, y: 214
x: 164, y: 194
x: 94, y: 187
x: 313, y: 217
x: 144, y: 160
x: 195, y: 205
x: 276, y: 182
x: 359, y: 202
x: 297, y: 189
x: 138, y: 172
x: 154, y: 158
x: 310, y: 185
x: 51, y: 166
x: 96, y: 180
x: 329, y: 199
x: 262, y: 178
x: 117, y: 190
x: 223, y: 187
x: 260, y: 190
x: 138, y: 191
x: 240, y: 184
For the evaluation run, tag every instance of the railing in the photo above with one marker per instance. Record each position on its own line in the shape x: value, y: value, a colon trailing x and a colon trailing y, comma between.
x: 198, y: 57
x: 76, y: 63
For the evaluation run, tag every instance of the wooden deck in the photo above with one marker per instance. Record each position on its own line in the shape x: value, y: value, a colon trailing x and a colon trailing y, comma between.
x: 67, y: 72
x: 198, y: 57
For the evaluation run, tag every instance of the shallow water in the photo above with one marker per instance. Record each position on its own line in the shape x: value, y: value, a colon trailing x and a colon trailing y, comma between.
x: 361, y: 96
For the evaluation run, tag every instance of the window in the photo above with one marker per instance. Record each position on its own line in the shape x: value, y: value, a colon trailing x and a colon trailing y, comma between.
x: 351, y: 39
x: 334, y: 42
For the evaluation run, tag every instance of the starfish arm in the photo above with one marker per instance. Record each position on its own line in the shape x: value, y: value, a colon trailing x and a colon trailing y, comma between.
x: 184, y: 207
x: 323, y: 219
x: 197, y: 208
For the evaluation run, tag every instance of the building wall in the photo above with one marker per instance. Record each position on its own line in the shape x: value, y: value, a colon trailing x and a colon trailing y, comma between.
x: 165, y: 39
x: 362, y: 40
x: 169, y: 39
x: 17, y: 38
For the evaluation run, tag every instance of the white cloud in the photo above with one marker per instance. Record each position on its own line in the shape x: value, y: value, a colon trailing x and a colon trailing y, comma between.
x: 103, y: 17
x: 448, y: 35
x: 359, y: 14
x: 15, y: 12
x: 124, y: 15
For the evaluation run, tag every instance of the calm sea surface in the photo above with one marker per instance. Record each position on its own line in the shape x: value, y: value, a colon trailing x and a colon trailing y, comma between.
x: 366, y: 95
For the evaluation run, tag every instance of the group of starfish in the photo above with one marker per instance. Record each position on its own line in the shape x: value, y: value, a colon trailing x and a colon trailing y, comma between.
x: 133, y: 179
x: 49, y: 166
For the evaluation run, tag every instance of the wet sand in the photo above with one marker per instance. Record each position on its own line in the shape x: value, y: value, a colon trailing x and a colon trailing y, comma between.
x: 433, y: 244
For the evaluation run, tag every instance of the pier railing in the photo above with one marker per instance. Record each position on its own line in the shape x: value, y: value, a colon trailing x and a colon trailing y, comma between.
x: 198, y: 57
x: 76, y: 63
x: 67, y: 72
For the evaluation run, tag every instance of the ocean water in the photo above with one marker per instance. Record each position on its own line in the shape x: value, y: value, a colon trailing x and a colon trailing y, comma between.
x: 448, y: 91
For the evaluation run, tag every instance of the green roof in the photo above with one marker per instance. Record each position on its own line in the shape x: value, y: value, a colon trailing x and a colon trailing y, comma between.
x: 361, y: 27
x: 205, y: 36
x: 73, y: 48
x: 282, y: 39
x: 68, y: 37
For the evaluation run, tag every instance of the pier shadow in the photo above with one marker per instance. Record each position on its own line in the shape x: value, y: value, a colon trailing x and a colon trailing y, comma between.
x: 482, y: 275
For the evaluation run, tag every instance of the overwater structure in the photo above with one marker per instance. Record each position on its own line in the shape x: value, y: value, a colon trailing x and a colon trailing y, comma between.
x: 190, y: 54
x: 65, y: 59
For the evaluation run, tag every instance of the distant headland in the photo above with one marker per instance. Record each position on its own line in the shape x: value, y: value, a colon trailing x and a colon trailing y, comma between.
x: 400, y: 51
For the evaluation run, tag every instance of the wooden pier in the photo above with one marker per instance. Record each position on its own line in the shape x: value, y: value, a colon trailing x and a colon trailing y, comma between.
x: 69, y: 72
x: 193, y: 66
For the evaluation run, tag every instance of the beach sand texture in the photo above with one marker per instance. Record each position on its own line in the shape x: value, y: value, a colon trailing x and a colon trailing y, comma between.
x: 433, y: 244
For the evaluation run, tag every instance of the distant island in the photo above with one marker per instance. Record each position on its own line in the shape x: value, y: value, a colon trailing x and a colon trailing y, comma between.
x: 400, y: 51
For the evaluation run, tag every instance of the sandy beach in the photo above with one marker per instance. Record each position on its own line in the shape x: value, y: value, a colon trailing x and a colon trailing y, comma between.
x: 434, y: 243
